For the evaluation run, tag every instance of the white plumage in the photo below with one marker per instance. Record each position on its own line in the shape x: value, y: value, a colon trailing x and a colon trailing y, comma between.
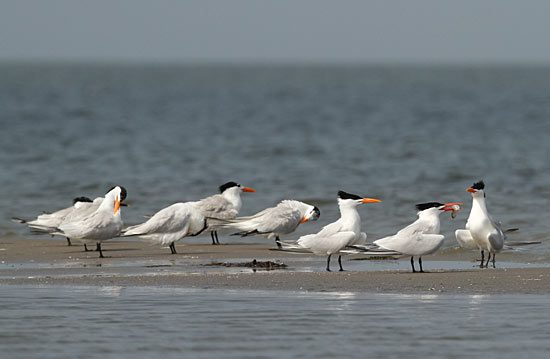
x: 221, y: 207
x: 419, y: 238
x: 274, y: 221
x: 170, y: 224
x: 45, y: 222
x: 102, y: 224
x: 482, y: 231
x: 338, y: 235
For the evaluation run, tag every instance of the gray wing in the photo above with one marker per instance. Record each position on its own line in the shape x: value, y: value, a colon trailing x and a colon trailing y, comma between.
x: 100, y: 225
x: 84, y: 211
x: 412, y: 230
x: 217, y: 207
x: 47, y: 221
x: 330, y: 229
x: 280, y: 219
x: 173, y: 218
x: 496, y: 239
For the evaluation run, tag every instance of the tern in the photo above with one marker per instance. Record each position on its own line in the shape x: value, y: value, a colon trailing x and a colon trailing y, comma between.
x: 170, y: 224
x: 274, y: 221
x: 102, y: 224
x: 482, y: 231
x: 421, y: 237
x: 47, y: 222
x: 88, y: 208
x: 223, y: 206
x: 82, y: 208
x: 336, y: 236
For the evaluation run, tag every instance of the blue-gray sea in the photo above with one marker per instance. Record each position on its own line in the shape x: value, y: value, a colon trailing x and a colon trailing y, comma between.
x: 175, y: 133
x: 404, y: 134
x: 118, y: 322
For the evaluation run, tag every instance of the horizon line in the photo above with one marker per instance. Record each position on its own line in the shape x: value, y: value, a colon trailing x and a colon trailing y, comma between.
x: 265, y: 62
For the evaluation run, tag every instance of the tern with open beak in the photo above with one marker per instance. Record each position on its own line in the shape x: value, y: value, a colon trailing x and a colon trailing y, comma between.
x: 421, y: 237
x: 481, y: 229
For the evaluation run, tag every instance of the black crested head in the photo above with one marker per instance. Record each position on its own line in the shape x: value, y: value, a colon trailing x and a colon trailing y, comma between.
x: 345, y: 195
x: 478, y: 185
x: 81, y: 199
x: 428, y: 205
x: 317, y: 211
x: 227, y: 185
x: 123, y: 192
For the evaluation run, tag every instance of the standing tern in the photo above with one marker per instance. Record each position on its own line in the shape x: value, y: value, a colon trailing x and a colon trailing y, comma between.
x: 421, y: 237
x: 481, y: 229
x: 47, y: 222
x: 274, y: 221
x: 338, y: 235
x: 82, y: 208
x: 102, y: 224
x: 223, y: 206
x: 170, y: 225
x: 86, y: 209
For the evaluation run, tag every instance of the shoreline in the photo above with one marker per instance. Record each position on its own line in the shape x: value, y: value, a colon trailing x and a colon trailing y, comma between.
x: 134, y: 263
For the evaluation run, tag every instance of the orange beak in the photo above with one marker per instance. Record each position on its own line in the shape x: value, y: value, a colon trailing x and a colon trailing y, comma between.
x: 449, y: 206
x: 303, y: 220
x: 117, y: 205
x: 471, y: 190
x: 247, y: 189
x: 370, y: 200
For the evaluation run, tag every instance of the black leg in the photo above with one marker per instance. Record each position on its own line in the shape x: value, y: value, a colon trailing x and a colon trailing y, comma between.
x: 420, y: 262
x: 412, y: 264
x: 340, y: 263
x: 488, y: 259
x: 69, y: 241
x: 494, y: 256
x: 98, y: 248
x: 86, y: 248
x: 328, y: 263
x: 216, y: 234
x: 277, y: 242
x: 173, y: 248
x: 213, y: 238
x: 482, y: 259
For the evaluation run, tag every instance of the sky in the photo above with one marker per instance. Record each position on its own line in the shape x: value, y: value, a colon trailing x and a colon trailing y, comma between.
x: 323, y: 31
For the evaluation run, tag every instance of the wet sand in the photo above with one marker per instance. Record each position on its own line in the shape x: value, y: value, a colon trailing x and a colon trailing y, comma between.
x: 27, y: 261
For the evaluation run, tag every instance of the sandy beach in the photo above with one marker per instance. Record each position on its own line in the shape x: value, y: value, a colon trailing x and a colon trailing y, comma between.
x: 133, y: 263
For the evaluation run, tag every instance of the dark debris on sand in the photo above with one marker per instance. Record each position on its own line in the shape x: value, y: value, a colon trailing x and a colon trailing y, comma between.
x: 267, y: 265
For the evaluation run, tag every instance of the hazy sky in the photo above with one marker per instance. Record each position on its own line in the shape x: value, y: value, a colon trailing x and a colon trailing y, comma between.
x: 440, y: 31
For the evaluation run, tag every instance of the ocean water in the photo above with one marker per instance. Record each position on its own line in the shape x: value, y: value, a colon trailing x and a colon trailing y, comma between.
x: 118, y: 322
x: 404, y: 134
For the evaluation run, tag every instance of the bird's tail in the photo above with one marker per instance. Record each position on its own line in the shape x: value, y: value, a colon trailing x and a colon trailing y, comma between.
x: 19, y: 220
x: 513, y: 244
x: 239, y: 226
x: 291, y: 247
x: 369, y: 250
x: 38, y: 229
x: 132, y: 231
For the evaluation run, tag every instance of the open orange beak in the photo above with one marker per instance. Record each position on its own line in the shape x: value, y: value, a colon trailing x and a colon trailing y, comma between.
x: 247, y: 189
x: 471, y: 190
x: 117, y: 205
x: 451, y: 206
x: 370, y: 200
